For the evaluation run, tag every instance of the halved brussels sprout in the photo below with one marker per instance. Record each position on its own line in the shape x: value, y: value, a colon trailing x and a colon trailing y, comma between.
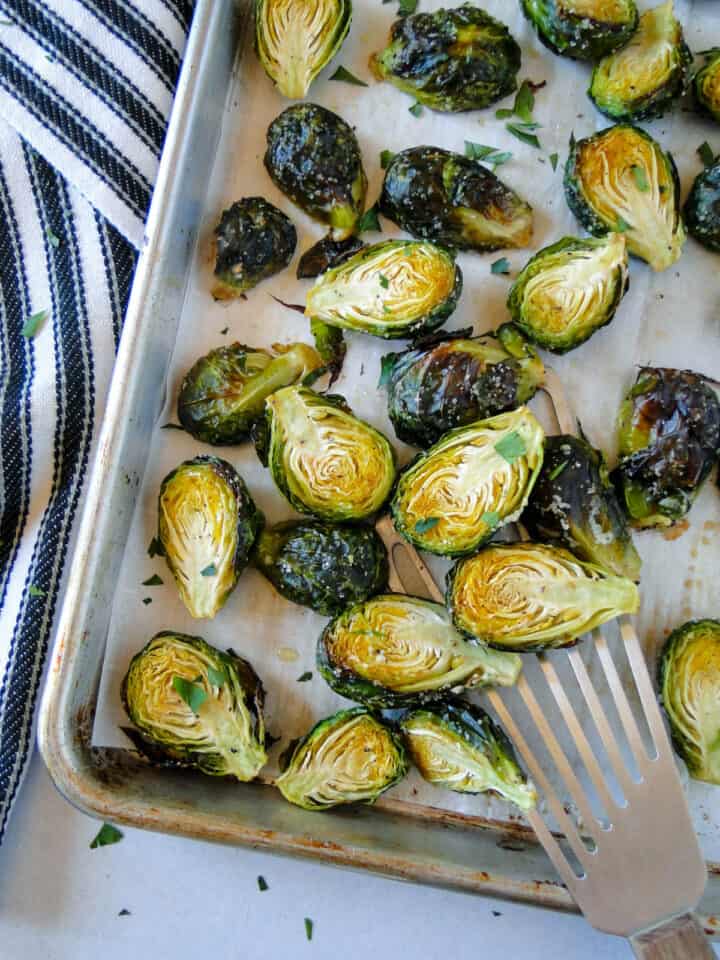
x: 397, y: 288
x: 582, y: 29
x: 207, y: 525
x: 323, y: 459
x: 620, y: 179
x: 669, y: 435
x: 295, y: 40
x: 313, y: 157
x: 642, y: 80
x: 450, y: 60
x: 690, y: 691
x: 351, y: 757
x: 452, y: 379
x: 223, y: 394
x: 452, y: 200
x: 394, y: 650
x: 574, y: 504
x: 706, y: 85
x: 324, y: 566
x: 529, y: 597
x: 473, y: 481
x: 253, y: 240
x: 702, y: 207
x: 569, y: 290
x: 456, y: 745
x: 194, y: 705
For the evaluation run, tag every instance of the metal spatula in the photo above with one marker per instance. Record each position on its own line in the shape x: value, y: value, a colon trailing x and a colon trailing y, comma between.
x: 634, y: 869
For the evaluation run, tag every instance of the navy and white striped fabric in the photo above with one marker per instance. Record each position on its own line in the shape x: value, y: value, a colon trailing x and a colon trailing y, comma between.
x: 86, y: 87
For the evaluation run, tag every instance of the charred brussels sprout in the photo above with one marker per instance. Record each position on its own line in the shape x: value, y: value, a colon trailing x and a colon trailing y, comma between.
x: 351, y: 757
x: 702, y: 208
x: 569, y: 290
x: 295, y: 40
x: 449, y: 199
x: 323, y: 566
x: 690, y: 690
x: 473, y: 481
x: 253, y: 240
x: 207, y: 526
x: 453, y: 380
x: 223, y: 394
x: 323, y: 459
x: 395, y: 650
x: 457, y: 745
x: 313, y: 157
x: 574, y: 504
x: 706, y: 85
x: 529, y: 597
x: 194, y: 705
x: 397, y: 288
x: 669, y: 434
x: 582, y: 29
x: 620, y: 179
x: 450, y: 60
x: 642, y: 80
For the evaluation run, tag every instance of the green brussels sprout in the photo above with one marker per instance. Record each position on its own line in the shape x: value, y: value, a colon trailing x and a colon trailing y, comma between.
x: 351, y: 757
x: 690, y: 692
x: 450, y: 60
x: 395, y: 650
x: 530, y: 597
x: 194, y: 705
x: 574, y: 504
x: 569, y: 290
x: 449, y: 199
x: 456, y: 745
x: 223, y: 394
x: 324, y: 566
x: 582, y: 29
x: 207, y: 525
x: 706, y: 85
x: 323, y: 459
x: 253, y: 240
x: 669, y: 435
x: 314, y: 158
x: 451, y: 380
x: 642, y: 80
x: 472, y: 482
x: 325, y: 254
x: 702, y: 207
x: 621, y: 180
x: 294, y: 40
x: 397, y: 288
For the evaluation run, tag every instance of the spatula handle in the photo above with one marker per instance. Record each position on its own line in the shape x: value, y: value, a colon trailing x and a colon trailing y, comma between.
x: 679, y: 939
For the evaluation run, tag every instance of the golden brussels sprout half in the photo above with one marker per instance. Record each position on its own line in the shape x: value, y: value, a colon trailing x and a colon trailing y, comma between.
x: 582, y: 29
x: 706, y: 85
x: 528, y: 596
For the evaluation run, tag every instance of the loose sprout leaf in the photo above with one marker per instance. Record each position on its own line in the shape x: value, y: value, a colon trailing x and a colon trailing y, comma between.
x: 32, y: 325
x: 416, y: 110
x: 641, y: 180
x: 209, y: 571
x: 369, y: 220
x: 384, y: 282
x: 308, y: 921
x: 386, y: 158
x: 490, y: 519
x: 53, y: 238
x: 524, y: 102
x: 156, y: 548
x: 106, y: 835
x: 262, y: 884
x: 304, y: 677
x: 36, y: 591
x: 153, y: 581
x: 386, y: 368
x: 521, y: 132
x: 558, y: 470
x: 422, y: 526
x: 193, y: 695
x: 705, y: 152
x: 511, y: 447
x: 554, y: 160
x: 344, y: 76
x: 500, y: 266
x: 216, y: 677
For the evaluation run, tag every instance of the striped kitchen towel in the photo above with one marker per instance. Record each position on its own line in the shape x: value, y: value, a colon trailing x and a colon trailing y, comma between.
x: 86, y: 87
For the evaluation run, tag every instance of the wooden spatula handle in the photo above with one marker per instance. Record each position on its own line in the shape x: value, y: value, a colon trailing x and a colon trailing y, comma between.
x: 679, y: 939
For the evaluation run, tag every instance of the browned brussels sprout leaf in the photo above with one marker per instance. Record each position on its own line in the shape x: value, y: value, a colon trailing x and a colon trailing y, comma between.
x: 325, y: 254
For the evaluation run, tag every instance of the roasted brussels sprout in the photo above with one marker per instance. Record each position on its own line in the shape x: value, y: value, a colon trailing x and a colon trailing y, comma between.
x: 323, y: 459
x: 702, y: 207
x: 642, y: 80
x: 207, y: 525
x: 314, y: 158
x: 620, y: 179
x: 324, y: 566
x: 457, y: 745
x: 690, y: 691
x: 449, y: 199
x: 473, y: 481
x: 223, y: 394
x: 351, y: 757
x: 569, y: 290
x: 582, y: 29
x: 295, y: 40
x: 450, y: 60
x: 574, y: 504
x: 395, y: 650
x: 325, y: 254
x: 669, y: 434
x: 706, y: 85
x: 253, y: 240
x: 194, y: 705
x: 397, y: 288
x: 453, y: 379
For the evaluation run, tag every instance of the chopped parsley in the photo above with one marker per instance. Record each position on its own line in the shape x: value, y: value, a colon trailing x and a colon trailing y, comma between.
x: 485, y: 154
x: 640, y: 177
x: 511, y: 447
x: 308, y: 921
x: 304, y: 677
x: 216, y: 677
x: 500, y: 266
x: 106, y: 835
x: 153, y: 581
x: 369, y: 220
x: 554, y: 160
x: 555, y: 473
x: 705, y: 152
x: 429, y: 523
x: 189, y: 691
x: 262, y: 884
x: 416, y: 109
x: 386, y: 158
x: 32, y: 325
x: 344, y: 76
x: 209, y: 571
